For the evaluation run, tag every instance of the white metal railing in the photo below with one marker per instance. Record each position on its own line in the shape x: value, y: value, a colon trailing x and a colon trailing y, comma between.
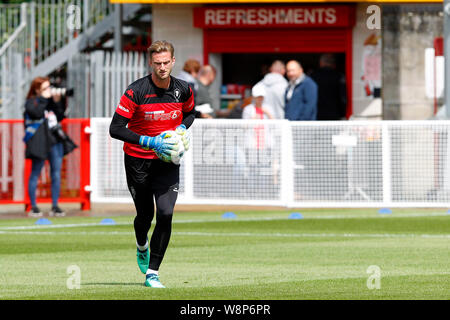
x: 297, y: 164
x: 10, y: 18
x: 100, y: 79
x: 61, y: 29
x: 14, y: 69
x: 58, y: 22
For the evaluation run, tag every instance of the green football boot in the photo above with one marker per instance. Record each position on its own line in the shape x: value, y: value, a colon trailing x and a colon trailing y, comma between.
x: 152, y: 281
x: 143, y: 258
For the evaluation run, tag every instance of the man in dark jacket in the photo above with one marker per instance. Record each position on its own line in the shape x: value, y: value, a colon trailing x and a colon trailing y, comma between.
x: 301, y: 94
x: 332, y: 102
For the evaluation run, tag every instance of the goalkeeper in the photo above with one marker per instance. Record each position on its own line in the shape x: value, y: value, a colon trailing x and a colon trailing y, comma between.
x: 150, y: 106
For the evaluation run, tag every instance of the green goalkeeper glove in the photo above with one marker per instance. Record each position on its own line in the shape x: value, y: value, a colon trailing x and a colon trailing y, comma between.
x: 160, y: 143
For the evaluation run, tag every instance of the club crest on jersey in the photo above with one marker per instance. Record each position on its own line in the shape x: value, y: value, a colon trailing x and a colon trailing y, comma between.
x: 177, y: 93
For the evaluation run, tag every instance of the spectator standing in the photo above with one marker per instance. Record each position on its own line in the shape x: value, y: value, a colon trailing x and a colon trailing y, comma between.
x: 332, y: 97
x: 301, y: 94
x: 275, y: 84
x: 258, y: 109
x: 203, y: 101
x: 189, y: 74
x: 260, y: 141
x: 44, y: 140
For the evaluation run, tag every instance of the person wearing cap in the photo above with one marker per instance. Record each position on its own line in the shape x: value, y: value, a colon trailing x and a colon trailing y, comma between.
x: 260, y: 141
x: 257, y: 109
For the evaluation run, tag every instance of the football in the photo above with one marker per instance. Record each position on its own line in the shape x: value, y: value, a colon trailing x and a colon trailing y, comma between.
x: 176, y: 154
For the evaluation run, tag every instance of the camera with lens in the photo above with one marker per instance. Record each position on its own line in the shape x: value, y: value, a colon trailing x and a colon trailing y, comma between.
x: 64, y: 92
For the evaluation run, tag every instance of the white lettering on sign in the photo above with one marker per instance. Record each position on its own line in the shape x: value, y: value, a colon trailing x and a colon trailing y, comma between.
x: 210, y: 17
x: 330, y: 16
x: 270, y: 16
x: 251, y: 16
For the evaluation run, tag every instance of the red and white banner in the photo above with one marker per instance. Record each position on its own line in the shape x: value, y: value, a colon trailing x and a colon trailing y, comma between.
x: 281, y: 17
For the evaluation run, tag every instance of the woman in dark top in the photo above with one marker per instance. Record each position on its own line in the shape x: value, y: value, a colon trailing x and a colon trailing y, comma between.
x: 43, y: 112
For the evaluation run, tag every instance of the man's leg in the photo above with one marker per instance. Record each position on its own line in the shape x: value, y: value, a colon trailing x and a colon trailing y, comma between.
x: 165, y: 203
x: 137, y: 179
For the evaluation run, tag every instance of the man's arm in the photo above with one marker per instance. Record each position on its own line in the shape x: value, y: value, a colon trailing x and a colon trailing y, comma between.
x: 118, y: 130
x: 188, y: 118
x: 311, y: 96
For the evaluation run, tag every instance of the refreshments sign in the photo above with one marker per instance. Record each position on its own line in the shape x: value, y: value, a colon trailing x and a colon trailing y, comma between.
x: 281, y: 17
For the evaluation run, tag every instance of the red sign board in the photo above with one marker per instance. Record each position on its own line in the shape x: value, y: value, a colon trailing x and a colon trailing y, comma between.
x: 439, y: 46
x: 274, y: 17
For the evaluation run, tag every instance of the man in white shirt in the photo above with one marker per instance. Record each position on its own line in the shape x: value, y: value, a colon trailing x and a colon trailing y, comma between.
x: 275, y: 84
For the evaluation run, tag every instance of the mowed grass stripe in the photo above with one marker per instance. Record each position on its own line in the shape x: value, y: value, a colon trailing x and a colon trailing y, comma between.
x: 213, y: 217
x: 236, y: 234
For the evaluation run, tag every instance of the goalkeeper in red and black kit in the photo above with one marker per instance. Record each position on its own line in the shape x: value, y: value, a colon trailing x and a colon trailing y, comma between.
x: 150, y: 106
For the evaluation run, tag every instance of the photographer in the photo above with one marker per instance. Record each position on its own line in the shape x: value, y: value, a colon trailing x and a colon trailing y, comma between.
x: 44, y: 138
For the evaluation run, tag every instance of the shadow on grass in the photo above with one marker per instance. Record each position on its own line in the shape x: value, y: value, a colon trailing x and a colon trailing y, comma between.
x: 114, y: 284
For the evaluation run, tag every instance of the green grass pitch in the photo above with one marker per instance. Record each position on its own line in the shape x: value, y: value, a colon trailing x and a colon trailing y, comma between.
x: 257, y: 255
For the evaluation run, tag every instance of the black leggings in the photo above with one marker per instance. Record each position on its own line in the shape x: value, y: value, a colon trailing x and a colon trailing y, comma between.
x: 141, y: 175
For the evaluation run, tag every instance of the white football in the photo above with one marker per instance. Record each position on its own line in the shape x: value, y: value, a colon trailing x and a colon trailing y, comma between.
x: 177, y: 154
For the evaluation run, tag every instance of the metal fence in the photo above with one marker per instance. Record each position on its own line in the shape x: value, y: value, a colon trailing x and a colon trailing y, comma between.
x: 15, y: 65
x: 15, y: 169
x: 32, y: 32
x: 10, y: 18
x: 297, y: 164
x: 100, y: 79
x: 58, y: 22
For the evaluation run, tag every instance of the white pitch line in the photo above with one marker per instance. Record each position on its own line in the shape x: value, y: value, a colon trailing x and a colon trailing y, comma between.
x: 380, y: 216
x: 67, y: 233
x: 247, y: 234
x: 55, y: 226
x: 320, y: 235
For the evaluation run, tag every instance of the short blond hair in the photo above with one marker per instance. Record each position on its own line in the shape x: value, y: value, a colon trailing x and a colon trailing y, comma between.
x: 160, y: 46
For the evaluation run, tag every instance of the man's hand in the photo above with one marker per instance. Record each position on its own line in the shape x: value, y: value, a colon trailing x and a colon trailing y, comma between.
x: 185, y: 136
x: 160, y: 143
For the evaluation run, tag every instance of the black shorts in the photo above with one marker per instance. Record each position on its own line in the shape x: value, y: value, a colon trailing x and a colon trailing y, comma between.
x: 153, y: 174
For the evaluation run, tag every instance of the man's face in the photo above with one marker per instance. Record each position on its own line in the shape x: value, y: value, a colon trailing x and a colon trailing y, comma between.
x: 162, y: 64
x: 211, y: 76
x: 293, y: 71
